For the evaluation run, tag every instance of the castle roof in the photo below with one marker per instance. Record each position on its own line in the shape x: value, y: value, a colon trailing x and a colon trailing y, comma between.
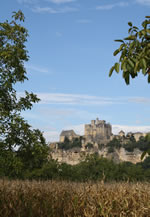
x: 121, y: 131
x: 67, y: 133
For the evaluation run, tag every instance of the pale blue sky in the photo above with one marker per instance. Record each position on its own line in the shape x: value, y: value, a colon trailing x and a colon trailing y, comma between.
x: 71, y: 46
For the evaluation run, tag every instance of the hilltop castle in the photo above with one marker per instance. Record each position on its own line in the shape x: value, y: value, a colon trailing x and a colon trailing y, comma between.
x: 96, y: 134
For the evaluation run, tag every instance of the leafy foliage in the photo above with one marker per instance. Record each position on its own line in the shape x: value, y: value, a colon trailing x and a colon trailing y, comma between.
x: 20, y: 146
x: 67, y: 144
x: 115, y: 143
x: 94, y: 168
x: 134, y: 52
x: 142, y: 144
x: 89, y: 145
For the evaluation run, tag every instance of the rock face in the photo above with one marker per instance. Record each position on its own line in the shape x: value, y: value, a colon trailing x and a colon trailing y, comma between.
x: 122, y: 155
x: 74, y: 157
x: 69, y: 157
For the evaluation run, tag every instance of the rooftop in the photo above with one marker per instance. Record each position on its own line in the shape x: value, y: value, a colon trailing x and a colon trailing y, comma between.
x: 67, y: 133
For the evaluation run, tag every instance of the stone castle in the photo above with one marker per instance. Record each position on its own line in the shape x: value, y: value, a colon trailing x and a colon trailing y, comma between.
x: 97, y: 133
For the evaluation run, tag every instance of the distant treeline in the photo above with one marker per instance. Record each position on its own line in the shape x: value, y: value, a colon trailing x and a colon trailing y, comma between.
x: 94, y: 168
x: 35, y: 162
x: 142, y: 144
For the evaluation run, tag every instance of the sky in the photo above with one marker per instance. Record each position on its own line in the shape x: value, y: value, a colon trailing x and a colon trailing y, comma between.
x: 71, y: 45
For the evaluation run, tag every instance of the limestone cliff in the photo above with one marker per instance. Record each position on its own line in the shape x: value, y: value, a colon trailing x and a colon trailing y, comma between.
x: 74, y: 157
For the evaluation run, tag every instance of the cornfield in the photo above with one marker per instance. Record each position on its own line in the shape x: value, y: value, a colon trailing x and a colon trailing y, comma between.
x: 67, y: 199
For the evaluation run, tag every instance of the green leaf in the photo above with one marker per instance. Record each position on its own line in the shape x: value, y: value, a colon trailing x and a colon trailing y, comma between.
x: 119, y: 40
x: 130, y: 23
x: 123, y: 74
x: 123, y: 66
x: 131, y: 63
x: 121, y: 46
x: 148, y: 78
x: 143, y: 32
x: 116, y: 52
x: 143, y: 155
x: 136, y: 66
x: 144, y: 24
x: 144, y: 63
x: 111, y: 71
x: 144, y: 71
x: 117, y: 66
x: 127, y: 77
x: 135, y: 27
x: 148, y: 31
x: 131, y: 37
x: 133, y: 75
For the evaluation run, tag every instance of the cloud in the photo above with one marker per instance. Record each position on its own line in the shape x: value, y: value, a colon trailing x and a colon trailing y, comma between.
x: 117, y: 128
x: 51, y: 136
x: 140, y: 100
x: 86, y: 100
x: 74, y: 99
x: 111, y: 6
x: 37, y: 1
x: 27, y: 1
x: 84, y: 21
x: 83, y: 99
x: 143, y: 2
x: 105, y: 7
x: 79, y: 129
x: 48, y: 9
x: 51, y: 10
x: 36, y: 68
x: 60, y: 1
x: 44, y: 10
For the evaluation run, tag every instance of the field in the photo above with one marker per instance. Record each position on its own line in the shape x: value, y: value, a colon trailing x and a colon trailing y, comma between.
x: 59, y: 199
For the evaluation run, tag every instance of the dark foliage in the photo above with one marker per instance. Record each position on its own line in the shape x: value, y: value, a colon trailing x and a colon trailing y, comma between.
x: 67, y: 144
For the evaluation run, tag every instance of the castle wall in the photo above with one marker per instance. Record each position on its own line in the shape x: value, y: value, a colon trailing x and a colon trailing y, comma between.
x: 62, y: 138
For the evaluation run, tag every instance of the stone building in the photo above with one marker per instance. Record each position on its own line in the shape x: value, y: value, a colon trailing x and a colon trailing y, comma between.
x: 70, y: 134
x: 122, y: 133
x: 138, y: 135
x: 98, y: 132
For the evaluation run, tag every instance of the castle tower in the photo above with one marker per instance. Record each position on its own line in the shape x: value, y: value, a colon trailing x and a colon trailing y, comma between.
x: 98, y: 131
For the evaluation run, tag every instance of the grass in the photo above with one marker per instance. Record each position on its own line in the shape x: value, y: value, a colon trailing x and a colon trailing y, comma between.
x: 63, y: 199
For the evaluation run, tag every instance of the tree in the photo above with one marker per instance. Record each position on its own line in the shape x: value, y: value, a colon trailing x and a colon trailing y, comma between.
x: 16, y: 135
x: 134, y: 52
